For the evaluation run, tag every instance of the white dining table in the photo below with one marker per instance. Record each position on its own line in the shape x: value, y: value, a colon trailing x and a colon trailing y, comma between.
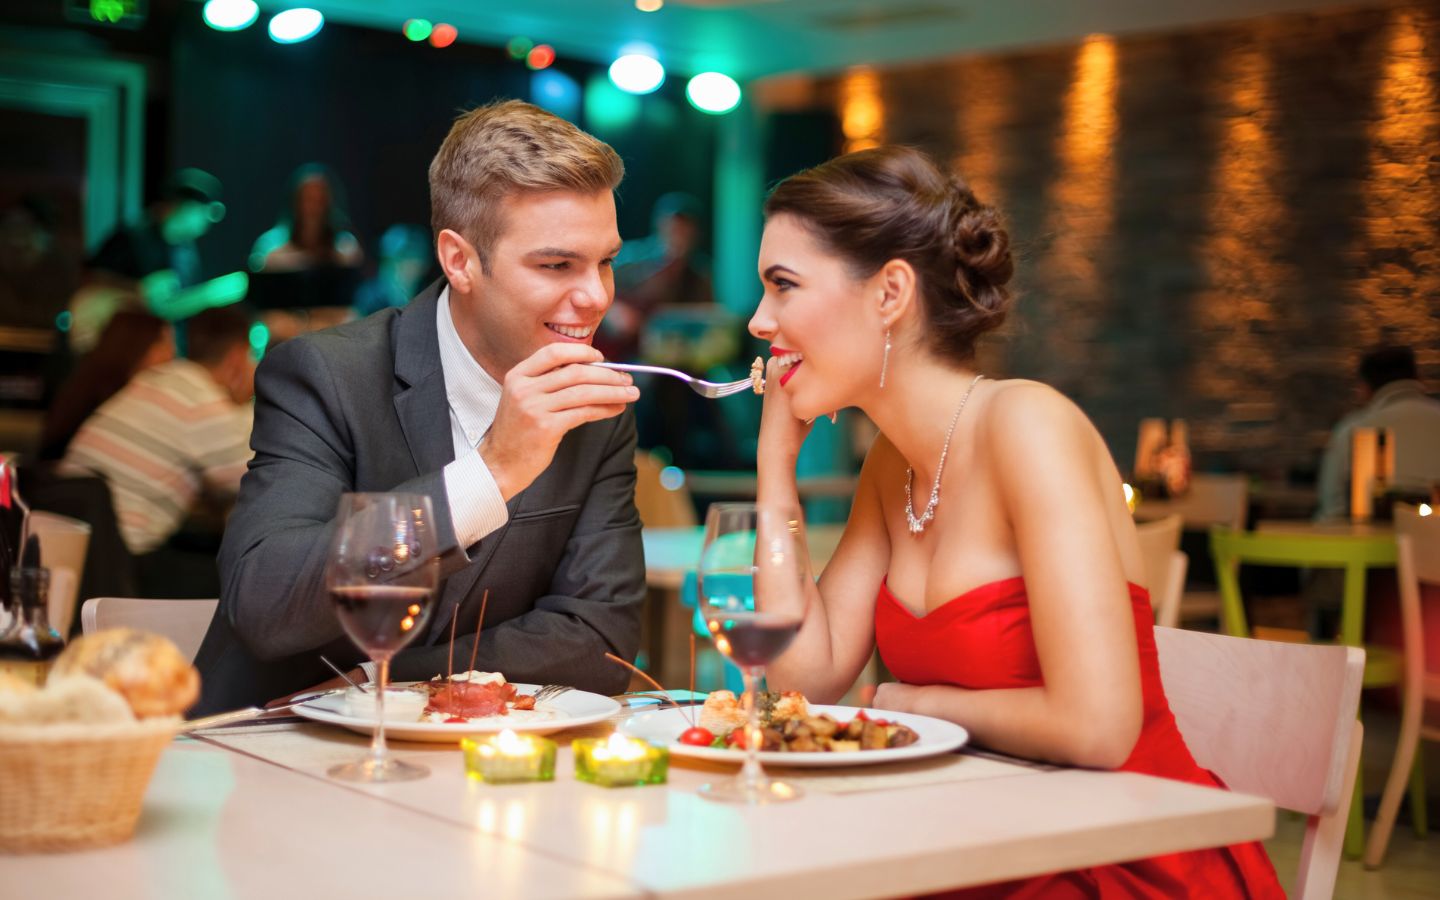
x: 248, y: 812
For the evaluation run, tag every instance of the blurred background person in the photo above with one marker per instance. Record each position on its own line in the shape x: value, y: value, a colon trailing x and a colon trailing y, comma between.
x: 406, y: 260
x: 1394, y: 399
x: 132, y: 342
x: 173, y: 440
x: 312, y: 230
x: 663, y: 269
x: 157, y: 260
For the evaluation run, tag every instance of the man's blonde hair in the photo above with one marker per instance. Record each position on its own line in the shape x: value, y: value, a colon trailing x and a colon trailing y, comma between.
x: 507, y: 147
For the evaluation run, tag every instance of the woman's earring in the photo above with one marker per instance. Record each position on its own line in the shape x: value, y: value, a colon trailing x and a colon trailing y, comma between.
x: 885, y: 360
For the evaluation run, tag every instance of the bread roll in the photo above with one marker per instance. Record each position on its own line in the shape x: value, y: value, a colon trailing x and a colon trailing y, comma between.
x: 146, y: 669
x: 72, y: 698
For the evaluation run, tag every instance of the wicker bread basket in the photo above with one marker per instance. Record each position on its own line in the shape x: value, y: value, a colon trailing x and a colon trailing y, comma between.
x: 72, y: 785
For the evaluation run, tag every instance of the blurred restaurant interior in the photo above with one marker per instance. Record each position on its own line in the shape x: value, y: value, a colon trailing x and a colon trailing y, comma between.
x: 1226, y: 227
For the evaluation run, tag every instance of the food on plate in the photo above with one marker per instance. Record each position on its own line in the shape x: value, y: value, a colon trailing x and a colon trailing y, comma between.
x: 757, y: 375
x: 67, y: 698
x: 787, y: 726
x: 146, y: 669
x: 696, y: 736
x: 468, y: 696
x: 723, y: 712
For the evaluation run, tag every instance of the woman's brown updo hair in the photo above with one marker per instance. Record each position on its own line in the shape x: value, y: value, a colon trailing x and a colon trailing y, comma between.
x: 894, y: 203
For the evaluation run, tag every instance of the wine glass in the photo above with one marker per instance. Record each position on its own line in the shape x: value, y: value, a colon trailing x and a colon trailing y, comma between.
x: 381, y: 576
x: 752, y: 586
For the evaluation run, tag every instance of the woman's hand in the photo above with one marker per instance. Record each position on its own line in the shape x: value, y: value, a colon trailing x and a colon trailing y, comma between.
x: 781, y: 434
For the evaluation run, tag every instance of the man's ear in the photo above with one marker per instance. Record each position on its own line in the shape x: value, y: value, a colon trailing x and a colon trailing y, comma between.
x: 458, y: 260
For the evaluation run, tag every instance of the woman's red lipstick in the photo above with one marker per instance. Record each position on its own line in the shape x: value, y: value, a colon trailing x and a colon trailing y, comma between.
x: 790, y: 373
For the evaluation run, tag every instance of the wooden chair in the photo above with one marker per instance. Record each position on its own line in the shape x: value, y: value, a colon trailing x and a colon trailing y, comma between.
x: 1418, y: 538
x: 1213, y: 499
x: 1165, y: 566
x: 182, y: 621
x: 1277, y: 720
x: 1355, y: 554
x: 64, y: 543
x: 661, y: 505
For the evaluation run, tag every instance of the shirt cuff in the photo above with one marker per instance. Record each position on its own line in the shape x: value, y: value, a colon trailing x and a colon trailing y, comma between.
x: 476, y: 506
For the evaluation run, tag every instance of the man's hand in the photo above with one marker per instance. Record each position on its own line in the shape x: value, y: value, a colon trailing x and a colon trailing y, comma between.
x: 542, y: 399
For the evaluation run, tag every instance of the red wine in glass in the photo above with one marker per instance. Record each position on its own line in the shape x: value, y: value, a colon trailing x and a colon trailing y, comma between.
x: 381, y: 619
x: 753, y: 639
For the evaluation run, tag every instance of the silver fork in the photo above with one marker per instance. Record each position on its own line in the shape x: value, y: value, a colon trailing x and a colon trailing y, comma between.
x: 710, y: 389
x: 550, y: 692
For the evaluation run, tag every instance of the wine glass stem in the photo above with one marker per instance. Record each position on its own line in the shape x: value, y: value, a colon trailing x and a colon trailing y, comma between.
x: 751, y: 773
x: 377, y: 743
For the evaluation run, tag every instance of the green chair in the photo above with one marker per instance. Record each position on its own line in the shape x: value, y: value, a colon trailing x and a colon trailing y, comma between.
x: 1355, y: 554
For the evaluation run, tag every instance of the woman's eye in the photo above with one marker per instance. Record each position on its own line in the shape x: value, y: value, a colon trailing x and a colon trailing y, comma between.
x: 783, y: 284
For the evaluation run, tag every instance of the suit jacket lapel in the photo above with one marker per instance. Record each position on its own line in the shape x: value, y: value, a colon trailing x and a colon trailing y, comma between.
x: 420, y: 402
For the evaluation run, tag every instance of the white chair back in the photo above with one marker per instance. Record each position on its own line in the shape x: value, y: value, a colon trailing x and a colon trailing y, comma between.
x: 182, y: 621
x: 1277, y: 720
x: 64, y: 543
x: 1165, y: 566
x: 1418, y: 538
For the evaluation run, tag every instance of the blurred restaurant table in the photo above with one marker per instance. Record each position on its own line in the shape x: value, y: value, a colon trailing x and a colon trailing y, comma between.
x: 248, y: 812
x: 1327, y: 527
x: 671, y: 553
x: 721, y: 483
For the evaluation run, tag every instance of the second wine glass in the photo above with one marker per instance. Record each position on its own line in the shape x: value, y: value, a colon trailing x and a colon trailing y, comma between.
x: 752, y: 585
x: 381, y: 575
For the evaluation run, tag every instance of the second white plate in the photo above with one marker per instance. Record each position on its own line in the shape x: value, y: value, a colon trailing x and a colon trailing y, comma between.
x: 936, y: 736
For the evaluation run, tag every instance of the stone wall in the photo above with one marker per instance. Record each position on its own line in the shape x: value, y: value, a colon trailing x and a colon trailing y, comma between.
x: 1211, y: 224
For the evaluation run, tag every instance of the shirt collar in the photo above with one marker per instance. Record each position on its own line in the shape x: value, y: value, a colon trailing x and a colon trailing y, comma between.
x: 473, y: 395
x: 1405, y: 387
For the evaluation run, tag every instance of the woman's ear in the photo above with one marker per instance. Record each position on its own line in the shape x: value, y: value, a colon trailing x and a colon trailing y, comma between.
x: 458, y: 260
x: 897, y: 285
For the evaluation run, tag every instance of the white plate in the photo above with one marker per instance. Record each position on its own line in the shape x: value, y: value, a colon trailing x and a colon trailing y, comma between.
x: 572, y: 709
x: 936, y: 736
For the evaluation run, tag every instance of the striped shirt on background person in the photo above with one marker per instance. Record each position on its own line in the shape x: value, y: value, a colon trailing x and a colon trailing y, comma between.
x: 168, y: 436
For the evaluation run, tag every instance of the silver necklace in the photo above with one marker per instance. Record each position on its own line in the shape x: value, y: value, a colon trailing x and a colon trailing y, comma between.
x: 918, y: 523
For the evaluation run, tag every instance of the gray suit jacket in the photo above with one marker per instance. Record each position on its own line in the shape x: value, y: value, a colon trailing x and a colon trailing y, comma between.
x: 362, y: 407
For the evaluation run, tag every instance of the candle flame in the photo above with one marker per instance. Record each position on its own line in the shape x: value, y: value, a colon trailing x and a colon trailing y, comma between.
x: 1424, y: 509
x: 620, y: 748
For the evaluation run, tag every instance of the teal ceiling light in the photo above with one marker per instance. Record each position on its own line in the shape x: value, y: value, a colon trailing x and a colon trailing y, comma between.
x: 230, y: 15
x: 295, y: 25
x: 636, y: 73
x: 713, y: 92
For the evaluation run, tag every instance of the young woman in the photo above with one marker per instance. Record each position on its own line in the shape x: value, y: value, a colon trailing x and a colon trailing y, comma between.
x: 989, y: 553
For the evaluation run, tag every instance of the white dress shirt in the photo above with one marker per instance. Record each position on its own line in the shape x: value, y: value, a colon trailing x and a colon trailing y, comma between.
x: 1414, y: 418
x: 476, y: 506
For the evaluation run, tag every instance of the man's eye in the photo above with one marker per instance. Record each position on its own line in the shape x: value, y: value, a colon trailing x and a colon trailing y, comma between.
x: 608, y: 261
x: 555, y: 267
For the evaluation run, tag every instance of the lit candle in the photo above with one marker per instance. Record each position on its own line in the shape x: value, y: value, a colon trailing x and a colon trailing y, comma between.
x: 508, y: 757
x: 1132, y: 497
x: 620, y: 761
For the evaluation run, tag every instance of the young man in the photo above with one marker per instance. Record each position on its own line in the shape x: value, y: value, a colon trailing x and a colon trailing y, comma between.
x: 477, y: 393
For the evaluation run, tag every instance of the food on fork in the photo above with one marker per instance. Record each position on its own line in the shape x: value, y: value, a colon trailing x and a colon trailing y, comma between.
x: 787, y: 726
x: 146, y: 669
x: 757, y: 375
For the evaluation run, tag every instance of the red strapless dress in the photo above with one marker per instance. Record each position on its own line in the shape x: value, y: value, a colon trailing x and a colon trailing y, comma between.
x: 982, y: 639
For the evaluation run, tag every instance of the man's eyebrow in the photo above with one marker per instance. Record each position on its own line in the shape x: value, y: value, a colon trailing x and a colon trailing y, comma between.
x: 770, y: 272
x: 554, y: 252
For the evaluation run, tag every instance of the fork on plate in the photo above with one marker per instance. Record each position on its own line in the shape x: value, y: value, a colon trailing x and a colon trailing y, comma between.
x: 550, y: 692
x: 709, y: 389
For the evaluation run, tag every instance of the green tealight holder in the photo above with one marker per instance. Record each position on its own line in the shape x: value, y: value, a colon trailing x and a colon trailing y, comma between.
x: 509, y: 758
x: 619, y: 761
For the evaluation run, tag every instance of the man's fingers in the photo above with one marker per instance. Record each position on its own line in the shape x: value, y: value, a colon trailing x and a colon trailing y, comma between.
x: 554, y: 355
x: 580, y: 395
x: 580, y: 415
x: 571, y: 375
